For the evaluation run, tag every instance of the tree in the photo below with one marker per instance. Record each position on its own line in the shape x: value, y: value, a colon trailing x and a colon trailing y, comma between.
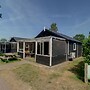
x: 3, y: 40
x: 86, y: 49
x: 53, y: 27
x: 79, y: 37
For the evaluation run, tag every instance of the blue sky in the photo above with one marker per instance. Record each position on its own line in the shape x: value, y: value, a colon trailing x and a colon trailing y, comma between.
x: 26, y: 18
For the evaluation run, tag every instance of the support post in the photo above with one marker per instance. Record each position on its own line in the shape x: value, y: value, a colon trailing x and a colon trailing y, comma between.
x: 50, y: 46
x: 35, y: 50
x: 17, y: 46
x: 68, y: 47
x: 66, y: 51
x: 85, y: 73
x: 23, y: 49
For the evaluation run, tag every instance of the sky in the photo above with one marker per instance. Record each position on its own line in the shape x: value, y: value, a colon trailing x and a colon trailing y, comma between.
x: 27, y: 18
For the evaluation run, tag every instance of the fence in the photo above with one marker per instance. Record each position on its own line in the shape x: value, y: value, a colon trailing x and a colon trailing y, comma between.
x: 87, y: 73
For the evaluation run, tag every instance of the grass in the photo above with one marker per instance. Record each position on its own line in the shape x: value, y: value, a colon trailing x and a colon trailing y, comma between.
x: 54, y: 75
x: 77, y: 67
x: 9, y: 61
x: 28, y: 73
x: 2, y: 54
x: 53, y: 78
x: 31, y: 59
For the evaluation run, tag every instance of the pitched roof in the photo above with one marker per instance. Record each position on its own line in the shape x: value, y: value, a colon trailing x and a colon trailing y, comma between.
x: 15, y: 39
x: 56, y: 34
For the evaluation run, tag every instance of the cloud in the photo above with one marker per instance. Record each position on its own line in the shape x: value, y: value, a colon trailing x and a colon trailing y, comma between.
x: 82, y: 24
x: 61, y: 16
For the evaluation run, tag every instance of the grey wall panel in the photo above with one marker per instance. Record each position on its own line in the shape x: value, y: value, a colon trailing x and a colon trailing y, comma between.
x: 79, y: 50
x: 58, y: 47
x: 43, y: 60
x: 58, y: 59
x: 58, y: 51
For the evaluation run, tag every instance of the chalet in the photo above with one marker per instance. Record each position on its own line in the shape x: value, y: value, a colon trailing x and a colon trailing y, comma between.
x: 48, y: 47
x: 5, y: 47
x: 57, y: 48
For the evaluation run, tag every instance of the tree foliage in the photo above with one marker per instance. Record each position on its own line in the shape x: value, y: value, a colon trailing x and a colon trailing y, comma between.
x: 3, y: 40
x: 86, y: 49
x: 79, y: 37
x: 86, y: 45
x: 54, y: 27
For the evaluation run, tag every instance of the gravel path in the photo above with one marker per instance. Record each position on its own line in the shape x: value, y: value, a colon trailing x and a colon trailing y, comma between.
x: 4, y: 85
x: 8, y: 81
x: 12, y: 65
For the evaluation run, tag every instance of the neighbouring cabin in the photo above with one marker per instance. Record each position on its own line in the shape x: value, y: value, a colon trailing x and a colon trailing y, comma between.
x: 5, y: 47
x: 23, y: 46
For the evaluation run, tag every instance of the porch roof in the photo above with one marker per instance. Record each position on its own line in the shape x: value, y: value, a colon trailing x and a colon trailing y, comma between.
x: 19, y: 39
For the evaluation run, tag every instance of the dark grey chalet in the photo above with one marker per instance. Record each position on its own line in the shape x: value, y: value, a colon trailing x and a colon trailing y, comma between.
x: 54, y: 48
x: 49, y: 48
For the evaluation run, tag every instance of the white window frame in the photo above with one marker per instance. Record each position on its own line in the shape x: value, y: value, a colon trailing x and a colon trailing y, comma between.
x: 74, y: 46
x: 44, y: 48
x: 42, y: 54
x: 40, y: 49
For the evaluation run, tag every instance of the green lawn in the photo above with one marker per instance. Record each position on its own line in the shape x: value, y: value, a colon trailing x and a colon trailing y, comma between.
x: 68, y: 76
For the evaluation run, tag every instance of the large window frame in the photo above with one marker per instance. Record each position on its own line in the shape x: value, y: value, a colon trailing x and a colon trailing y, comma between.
x: 46, y: 50
x: 41, y: 50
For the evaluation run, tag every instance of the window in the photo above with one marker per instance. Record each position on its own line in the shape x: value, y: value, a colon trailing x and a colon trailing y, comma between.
x: 74, y: 46
x: 46, y: 48
x: 38, y: 47
x: 13, y: 45
x: 43, y: 48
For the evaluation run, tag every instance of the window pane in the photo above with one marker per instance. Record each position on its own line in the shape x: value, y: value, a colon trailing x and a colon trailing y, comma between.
x: 74, y: 46
x: 38, y: 48
x: 46, y: 48
x: 41, y: 48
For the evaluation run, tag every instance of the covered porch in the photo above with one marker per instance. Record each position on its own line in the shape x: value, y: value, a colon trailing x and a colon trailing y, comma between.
x: 39, y: 48
x: 26, y: 48
x: 48, y: 50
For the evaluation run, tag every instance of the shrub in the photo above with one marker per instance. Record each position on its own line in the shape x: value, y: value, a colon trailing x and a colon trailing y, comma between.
x: 2, y: 54
x: 86, y: 50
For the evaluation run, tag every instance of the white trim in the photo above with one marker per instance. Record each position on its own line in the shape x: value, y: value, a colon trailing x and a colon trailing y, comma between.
x: 42, y: 48
x: 23, y: 50
x: 74, y: 46
x: 17, y: 46
x: 50, y: 52
x: 48, y: 37
x: 44, y: 55
x: 35, y: 49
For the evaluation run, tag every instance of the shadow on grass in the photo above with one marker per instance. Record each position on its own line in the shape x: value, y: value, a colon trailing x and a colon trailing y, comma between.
x: 78, y: 70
